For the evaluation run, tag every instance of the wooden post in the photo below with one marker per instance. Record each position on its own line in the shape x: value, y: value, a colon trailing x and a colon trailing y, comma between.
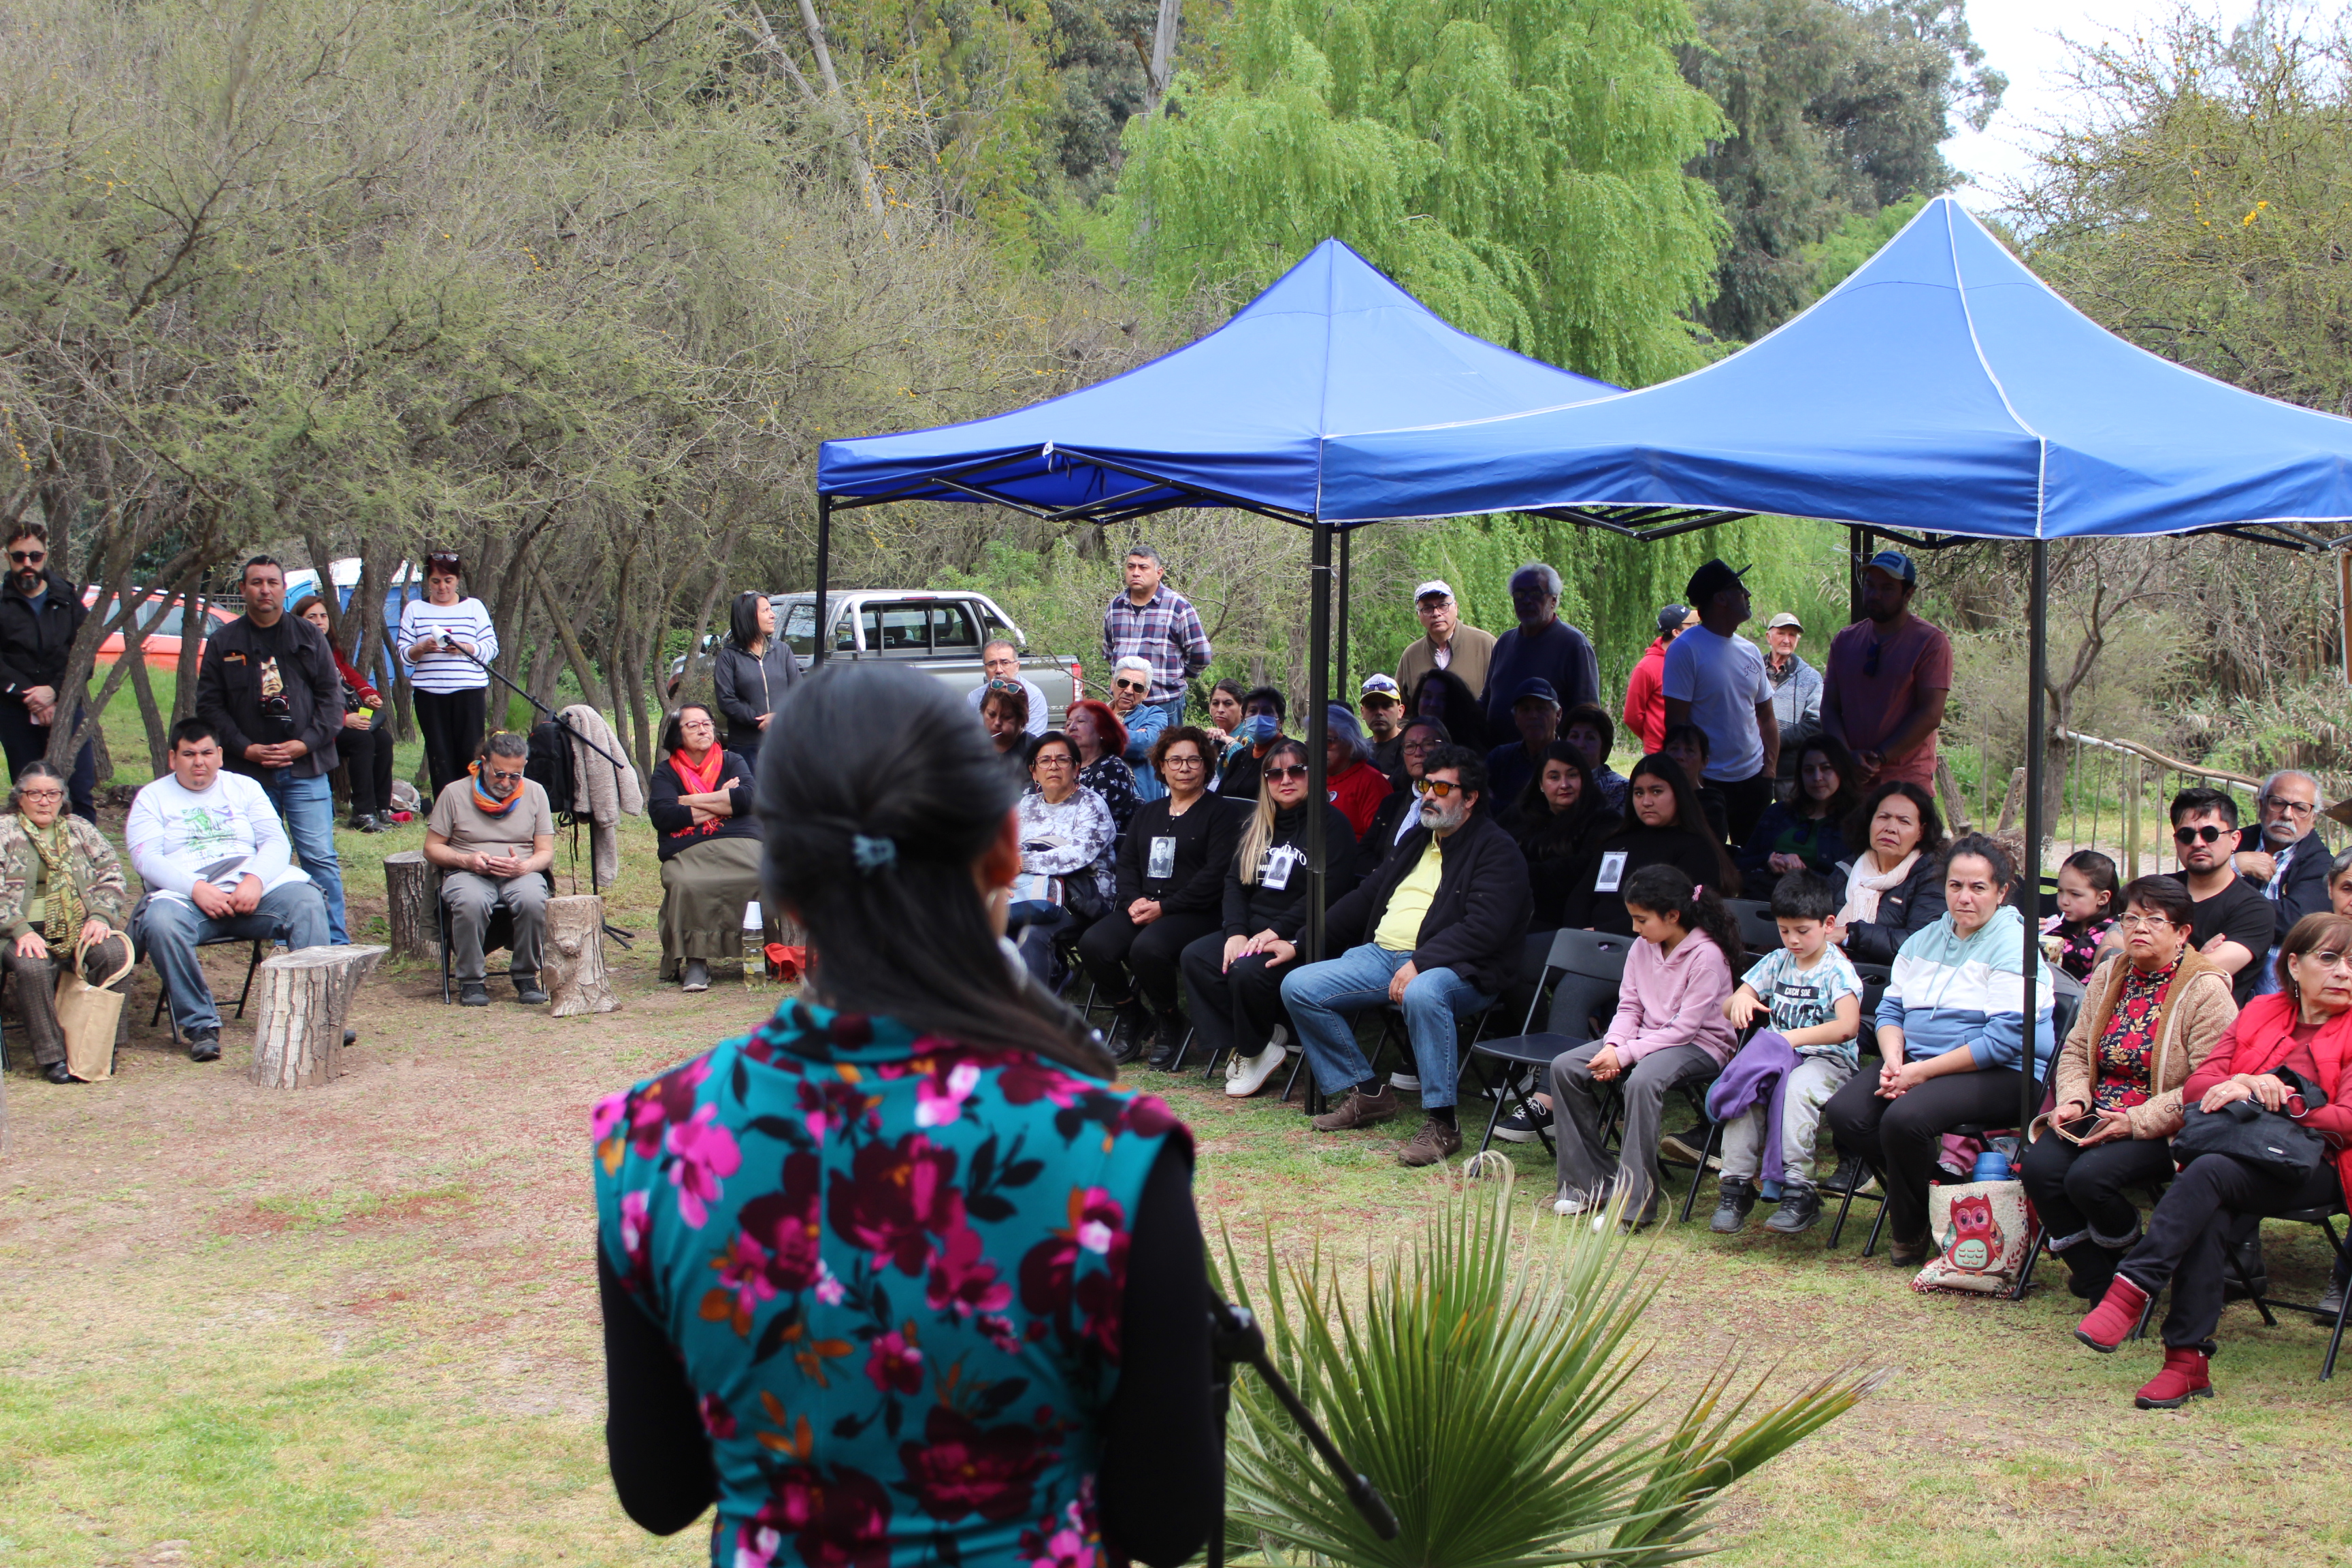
x: 412, y: 888
x: 573, y: 966
x: 1956, y: 800
x: 305, y: 995
x: 2131, y: 816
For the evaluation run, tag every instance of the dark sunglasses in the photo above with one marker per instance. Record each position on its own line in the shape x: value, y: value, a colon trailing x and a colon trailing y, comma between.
x: 2191, y: 834
x: 28, y: 557
x: 1130, y: 685
x: 502, y: 773
x: 1295, y: 771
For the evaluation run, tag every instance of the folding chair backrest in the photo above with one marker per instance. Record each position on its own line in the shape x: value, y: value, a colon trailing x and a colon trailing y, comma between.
x: 1758, y: 928
x: 1590, y: 966
x: 2066, y: 996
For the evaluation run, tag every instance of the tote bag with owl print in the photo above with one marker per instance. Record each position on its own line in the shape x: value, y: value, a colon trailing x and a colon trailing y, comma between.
x: 1981, y: 1231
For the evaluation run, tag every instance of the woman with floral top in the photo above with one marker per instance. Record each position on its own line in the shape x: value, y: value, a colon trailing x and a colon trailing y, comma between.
x: 900, y: 1278
x: 1067, y: 845
x: 1100, y: 737
x: 2145, y: 1025
x: 61, y: 884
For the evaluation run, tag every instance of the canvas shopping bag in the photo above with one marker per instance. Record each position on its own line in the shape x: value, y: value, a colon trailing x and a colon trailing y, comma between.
x: 89, y: 1015
x: 1981, y: 1231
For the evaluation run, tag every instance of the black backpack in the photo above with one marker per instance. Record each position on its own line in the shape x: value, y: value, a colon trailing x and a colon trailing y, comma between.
x: 549, y: 766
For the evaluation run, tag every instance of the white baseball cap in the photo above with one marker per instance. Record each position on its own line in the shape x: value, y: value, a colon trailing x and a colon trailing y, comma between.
x: 1435, y: 585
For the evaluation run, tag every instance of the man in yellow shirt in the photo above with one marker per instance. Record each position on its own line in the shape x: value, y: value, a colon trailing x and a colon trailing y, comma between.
x: 1448, y: 911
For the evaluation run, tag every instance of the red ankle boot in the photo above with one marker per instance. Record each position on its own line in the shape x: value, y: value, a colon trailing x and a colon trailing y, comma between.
x: 2182, y: 1380
x: 2106, y: 1325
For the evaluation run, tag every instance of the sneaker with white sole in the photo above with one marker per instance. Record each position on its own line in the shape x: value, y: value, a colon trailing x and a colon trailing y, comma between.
x: 1245, y: 1075
x: 1520, y: 1126
x: 1573, y: 1201
x: 1405, y: 1081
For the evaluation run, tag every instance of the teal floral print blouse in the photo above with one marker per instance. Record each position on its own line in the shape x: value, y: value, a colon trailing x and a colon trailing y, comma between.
x: 893, y: 1268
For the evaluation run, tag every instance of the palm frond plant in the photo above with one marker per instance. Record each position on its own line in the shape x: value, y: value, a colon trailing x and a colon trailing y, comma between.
x: 1489, y: 1396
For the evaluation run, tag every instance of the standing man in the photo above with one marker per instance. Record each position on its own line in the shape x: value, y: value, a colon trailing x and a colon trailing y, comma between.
x: 1541, y: 646
x: 40, y: 615
x: 1001, y: 660
x: 1796, y: 690
x: 1154, y: 622
x: 1382, y: 706
x: 493, y: 835
x: 1645, y: 701
x: 1446, y: 643
x: 270, y: 690
x: 2282, y: 856
x: 1714, y: 678
x: 1888, y: 675
x: 2230, y: 921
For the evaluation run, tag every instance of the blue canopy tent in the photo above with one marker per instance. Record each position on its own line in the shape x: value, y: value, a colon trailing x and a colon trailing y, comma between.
x: 1240, y: 418
x: 1941, y: 390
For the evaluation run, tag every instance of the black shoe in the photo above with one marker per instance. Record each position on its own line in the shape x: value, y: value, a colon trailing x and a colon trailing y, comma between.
x: 473, y: 994
x: 1849, y: 1175
x: 1731, y: 1209
x: 204, y: 1045
x: 1520, y: 1127
x: 527, y: 991
x: 365, y: 822
x: 1690, y: 1145
x: 57, y: 1073
x: 693, y: 975
x: 351, y: 1037
x: 1800, y: 1210
x: 1130, y: 1026
x: 2090, y: 1270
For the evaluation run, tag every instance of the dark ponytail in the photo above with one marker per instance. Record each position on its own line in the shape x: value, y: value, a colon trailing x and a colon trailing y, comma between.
x: 877, y: 796
x: 1668, y: 891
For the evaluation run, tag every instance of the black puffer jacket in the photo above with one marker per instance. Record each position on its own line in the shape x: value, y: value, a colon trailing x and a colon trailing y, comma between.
x: 33, y: 642
x: 1479, y: 920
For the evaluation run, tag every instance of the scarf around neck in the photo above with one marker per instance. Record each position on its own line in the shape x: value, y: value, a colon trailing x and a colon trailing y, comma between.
x: 1863, y: 887
x: 63, y: 910
x: 487, y: 804
x: 703, y: 780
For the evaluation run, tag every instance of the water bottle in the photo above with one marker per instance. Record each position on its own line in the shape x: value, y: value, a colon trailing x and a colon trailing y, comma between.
x: 755, y: 950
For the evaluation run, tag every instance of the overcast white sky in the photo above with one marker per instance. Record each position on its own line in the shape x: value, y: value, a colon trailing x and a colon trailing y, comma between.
x: 2022, y: 37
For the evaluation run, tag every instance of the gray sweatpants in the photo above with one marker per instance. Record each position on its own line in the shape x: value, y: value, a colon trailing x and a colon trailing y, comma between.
x: 1811, y: 1084
x: 1581, y: 1129
x: 472, y: 899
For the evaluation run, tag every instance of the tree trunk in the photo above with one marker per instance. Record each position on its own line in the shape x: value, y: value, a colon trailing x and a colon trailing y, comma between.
x: 305, y: 994
x: 412, y: 888
x: 573, y: 964
x: 1161, y: 65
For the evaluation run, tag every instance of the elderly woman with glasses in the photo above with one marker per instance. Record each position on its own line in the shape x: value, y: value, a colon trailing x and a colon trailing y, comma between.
x: 2147, y: 1024
x: 1145, y: 723
x: 62, y: 887
x: 701, y: 803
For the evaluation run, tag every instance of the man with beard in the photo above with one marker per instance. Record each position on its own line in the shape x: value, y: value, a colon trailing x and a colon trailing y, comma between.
x: 1886, y: 677
x: 1447, y: 913
x: 2231, y: 923
x: 493, y: 835
x: 40, y: 615
x: 2281, y: 854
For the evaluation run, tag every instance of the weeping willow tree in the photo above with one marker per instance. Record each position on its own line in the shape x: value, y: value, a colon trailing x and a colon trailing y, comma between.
x: 1518, y: 166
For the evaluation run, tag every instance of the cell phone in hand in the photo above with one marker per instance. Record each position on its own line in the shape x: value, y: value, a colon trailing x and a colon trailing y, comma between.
x: 2075, y: 1132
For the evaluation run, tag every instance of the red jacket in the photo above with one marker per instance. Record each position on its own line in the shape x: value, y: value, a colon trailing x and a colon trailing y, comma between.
x: 1358, y: 793
x: 1645, y: 698
x: 368, y: 696
x: 2259, y: 1041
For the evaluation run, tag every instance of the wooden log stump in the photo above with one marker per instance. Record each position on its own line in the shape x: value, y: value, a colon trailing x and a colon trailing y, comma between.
x: 305, y: 995
x: 572, y: 966
x: 412, y: 886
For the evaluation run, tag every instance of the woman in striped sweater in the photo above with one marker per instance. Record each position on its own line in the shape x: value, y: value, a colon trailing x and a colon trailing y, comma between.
x: 441, y: 636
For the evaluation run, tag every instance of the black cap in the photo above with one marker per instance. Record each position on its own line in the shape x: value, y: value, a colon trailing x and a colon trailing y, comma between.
x: 1709, y: 580
x: 1670, y: 618
x: 1536, y: 686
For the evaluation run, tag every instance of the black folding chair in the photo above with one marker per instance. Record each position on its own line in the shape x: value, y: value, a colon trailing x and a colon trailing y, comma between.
x: 1583, y: 971
x: 163, y: 1013
x: 1758, y: 928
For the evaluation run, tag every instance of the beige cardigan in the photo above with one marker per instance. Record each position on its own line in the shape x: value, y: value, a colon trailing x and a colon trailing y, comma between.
x: 2199, y: 1008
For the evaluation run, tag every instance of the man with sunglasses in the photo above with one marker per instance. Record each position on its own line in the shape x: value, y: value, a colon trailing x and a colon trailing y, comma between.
x: 40, y: 615
x: 2230, y: 922
x: 493, y: 836
x: 1001, y: 662
x: 2281, y: 854
x: 1886, y: 677
x: 1130, y: 681
x: 1446, y: 915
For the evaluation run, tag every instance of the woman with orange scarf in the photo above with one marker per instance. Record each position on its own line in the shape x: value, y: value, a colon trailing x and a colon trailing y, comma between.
x: 701, y: 803
x: 2301, y: 1034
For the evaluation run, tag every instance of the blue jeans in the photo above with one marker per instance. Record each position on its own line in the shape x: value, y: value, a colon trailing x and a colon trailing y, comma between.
x: 1320, y: 997
x: 169, y: 929
x: 308, y: 807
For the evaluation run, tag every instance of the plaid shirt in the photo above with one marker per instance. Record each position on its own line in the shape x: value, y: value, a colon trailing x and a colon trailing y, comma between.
x: 1166, y: 630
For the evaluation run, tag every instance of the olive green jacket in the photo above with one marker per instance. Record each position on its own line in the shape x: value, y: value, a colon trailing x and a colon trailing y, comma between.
x: 97, y: 872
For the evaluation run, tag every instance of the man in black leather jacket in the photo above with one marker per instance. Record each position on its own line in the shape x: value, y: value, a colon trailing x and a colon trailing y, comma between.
x: 1445, y: 917
x: 40, y: 615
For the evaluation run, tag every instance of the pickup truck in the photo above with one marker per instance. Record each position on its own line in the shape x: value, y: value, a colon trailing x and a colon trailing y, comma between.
x: 938, y: 633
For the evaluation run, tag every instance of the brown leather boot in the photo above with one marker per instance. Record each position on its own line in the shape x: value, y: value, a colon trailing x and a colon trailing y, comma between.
x: 1359, y: 1110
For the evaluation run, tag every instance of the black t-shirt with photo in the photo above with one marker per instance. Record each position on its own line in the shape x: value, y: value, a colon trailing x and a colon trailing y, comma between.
x: 2240, y: 913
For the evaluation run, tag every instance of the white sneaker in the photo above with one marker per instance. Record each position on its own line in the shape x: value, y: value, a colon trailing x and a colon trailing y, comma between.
x: 1245, y: 1075
x: 1404, y: 1080
x: 1571, y: 1201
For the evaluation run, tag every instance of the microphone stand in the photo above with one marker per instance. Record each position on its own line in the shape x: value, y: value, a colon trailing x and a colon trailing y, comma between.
x: 1235, y: 1336
x: 623, y: 937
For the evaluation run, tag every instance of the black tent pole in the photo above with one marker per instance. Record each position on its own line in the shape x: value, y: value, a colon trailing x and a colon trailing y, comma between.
x: 818, y: 635
x: 1339, y: 622
x: 2037, y: 620
x: 1319, y: 688
x: 1859, y: 541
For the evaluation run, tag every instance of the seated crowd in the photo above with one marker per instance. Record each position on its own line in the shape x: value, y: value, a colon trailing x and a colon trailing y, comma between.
x: 1470, y: 816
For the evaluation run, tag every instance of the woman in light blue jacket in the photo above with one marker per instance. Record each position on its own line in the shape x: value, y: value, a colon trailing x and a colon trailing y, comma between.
x: 1951, y: 1036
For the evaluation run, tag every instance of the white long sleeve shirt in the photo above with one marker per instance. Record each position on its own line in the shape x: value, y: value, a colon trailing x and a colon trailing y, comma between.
x: 221, y: 835
x: 467, y: 620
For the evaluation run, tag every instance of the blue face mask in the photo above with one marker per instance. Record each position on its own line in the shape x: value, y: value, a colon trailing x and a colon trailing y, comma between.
x: 1260, y: 728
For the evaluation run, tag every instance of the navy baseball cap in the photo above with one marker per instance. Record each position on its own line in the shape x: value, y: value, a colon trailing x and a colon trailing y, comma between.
x: 1711, y: 579
x: 1895, y: 565
x: 1536, y: 686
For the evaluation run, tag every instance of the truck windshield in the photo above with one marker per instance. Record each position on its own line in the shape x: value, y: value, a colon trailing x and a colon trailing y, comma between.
x: 800, y: 629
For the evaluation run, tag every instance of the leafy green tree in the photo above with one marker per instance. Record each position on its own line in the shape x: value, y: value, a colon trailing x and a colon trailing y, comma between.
x: 1518, y: 164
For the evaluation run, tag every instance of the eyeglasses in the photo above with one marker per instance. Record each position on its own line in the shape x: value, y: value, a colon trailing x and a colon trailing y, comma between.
x: 695, y: 724
x: 2191, y: 834
x: 40, y: 795
x: 1052, y: 760
x: 1421, y: 745
x: 2142, y: 923
x: 1436, y: 789
x: 28, y: 557
x: 1130, y: 685
x: 1004, y: 686
x: 2328, y: 958
x: 1284, y: 775
x: 511, y: 777
x: 2299, y: 807
x: 1173, y: 761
